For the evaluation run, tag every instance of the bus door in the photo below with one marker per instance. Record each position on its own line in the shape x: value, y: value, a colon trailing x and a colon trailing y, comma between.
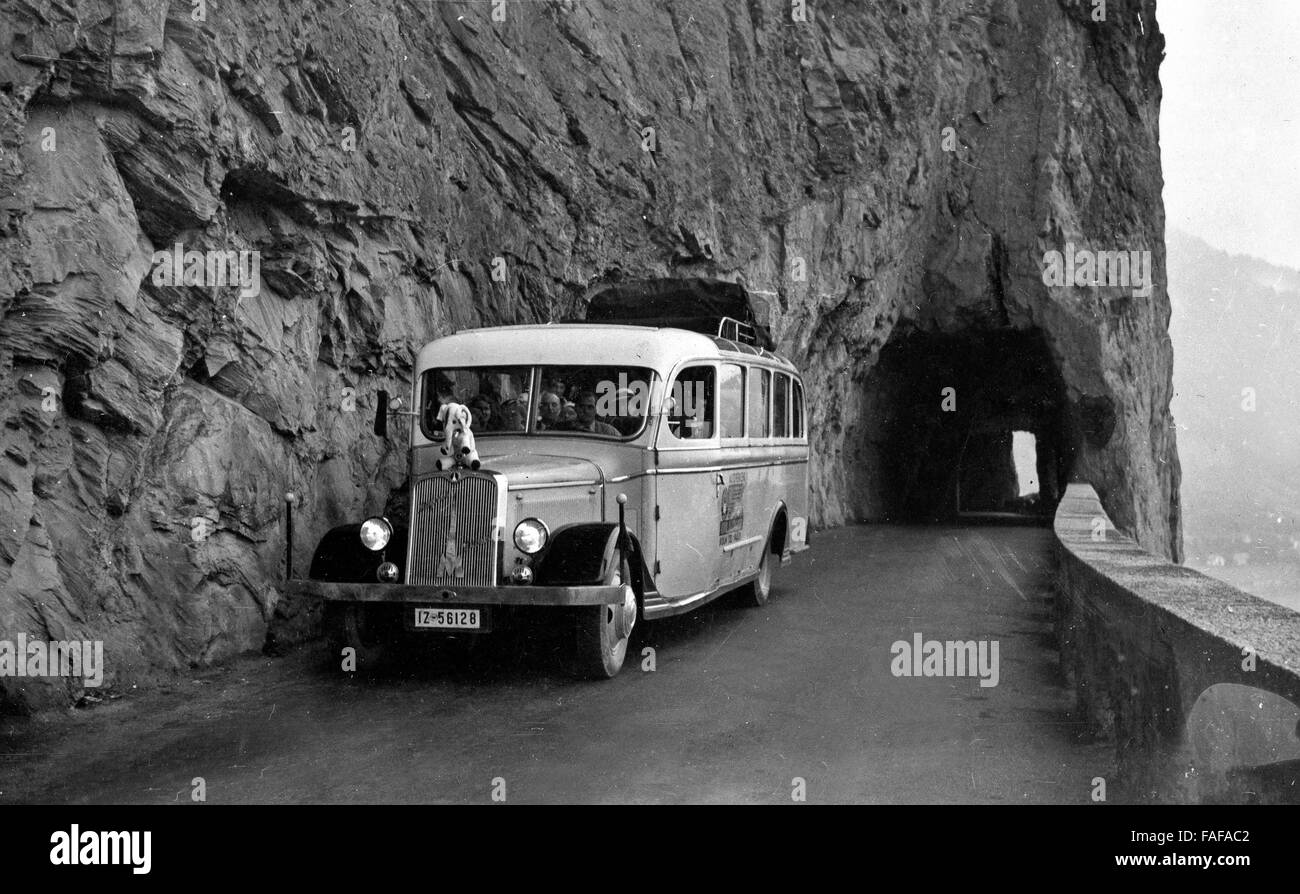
x: 688, y: 496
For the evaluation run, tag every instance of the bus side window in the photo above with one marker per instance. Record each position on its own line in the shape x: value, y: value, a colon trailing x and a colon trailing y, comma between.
x: 796, y: 416
x: 781, y: 406
x: 760, y: 401
x: 693, y: 411
x: 731, y: 401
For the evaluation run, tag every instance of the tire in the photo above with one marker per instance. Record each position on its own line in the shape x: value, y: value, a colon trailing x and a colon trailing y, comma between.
x: 599, y: 651
x: 756, y: 593
x: 348, y: 625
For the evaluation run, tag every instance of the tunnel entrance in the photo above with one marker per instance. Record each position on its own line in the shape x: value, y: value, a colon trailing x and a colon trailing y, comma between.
x: 953, y: 414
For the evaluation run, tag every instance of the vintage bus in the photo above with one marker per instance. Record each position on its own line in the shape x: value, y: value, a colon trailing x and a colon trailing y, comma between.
x: 627, y: 473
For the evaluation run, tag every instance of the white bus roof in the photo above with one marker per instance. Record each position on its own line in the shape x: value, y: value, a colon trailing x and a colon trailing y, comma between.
x: 570, y: 344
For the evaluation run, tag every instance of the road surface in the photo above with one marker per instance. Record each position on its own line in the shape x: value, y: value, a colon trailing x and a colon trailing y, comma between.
x: 742, y: 704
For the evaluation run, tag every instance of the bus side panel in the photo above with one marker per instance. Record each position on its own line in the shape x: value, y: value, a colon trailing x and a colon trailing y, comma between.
x: 689, y: 498
x: 745, y: 512
x: 781, y: 481
x: 796, y: 532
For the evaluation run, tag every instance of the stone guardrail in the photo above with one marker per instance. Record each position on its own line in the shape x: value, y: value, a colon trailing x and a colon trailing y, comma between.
x: 1197, y: 682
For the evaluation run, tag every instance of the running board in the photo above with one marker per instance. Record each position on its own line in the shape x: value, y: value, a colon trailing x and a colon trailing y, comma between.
x: 655, y: 607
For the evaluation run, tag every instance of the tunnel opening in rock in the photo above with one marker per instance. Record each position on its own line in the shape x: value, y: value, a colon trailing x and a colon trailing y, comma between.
x: 957, y: 416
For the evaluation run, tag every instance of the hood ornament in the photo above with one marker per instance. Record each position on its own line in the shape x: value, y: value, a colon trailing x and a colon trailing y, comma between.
x: 450, y: 563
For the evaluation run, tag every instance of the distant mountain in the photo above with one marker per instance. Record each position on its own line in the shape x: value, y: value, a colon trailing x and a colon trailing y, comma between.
x: 1236, y: 336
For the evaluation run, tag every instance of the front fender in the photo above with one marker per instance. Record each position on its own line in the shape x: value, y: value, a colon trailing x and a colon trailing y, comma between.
x: 581, y: 554
x: 340, y: 557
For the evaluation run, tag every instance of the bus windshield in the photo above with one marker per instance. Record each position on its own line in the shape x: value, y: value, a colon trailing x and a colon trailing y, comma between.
x: 591, y: 401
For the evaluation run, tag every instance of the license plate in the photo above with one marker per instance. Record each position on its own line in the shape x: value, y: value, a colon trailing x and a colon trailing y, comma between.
x: 448, y: 619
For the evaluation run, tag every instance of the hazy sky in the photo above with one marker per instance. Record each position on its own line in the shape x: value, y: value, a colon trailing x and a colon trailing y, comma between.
x: 1230, y: 123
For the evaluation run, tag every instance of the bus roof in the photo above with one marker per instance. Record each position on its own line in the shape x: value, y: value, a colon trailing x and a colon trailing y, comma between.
x: 569, y: 344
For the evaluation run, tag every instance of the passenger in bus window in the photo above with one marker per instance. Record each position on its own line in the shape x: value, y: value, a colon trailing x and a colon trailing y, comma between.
x: 443, y: 392
x: 628, y: 406
x: 484, y: 419
x: 555, y: 385
x: 692, y: 405
x: 548, y: 408
x: 513, y: 413
x: 587, y: 421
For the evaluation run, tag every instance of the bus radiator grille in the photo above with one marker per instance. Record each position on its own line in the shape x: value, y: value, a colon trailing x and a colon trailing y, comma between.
x: 453, y: 529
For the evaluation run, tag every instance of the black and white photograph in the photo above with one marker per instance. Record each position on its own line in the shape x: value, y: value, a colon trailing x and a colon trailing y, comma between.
x: 874, y: 403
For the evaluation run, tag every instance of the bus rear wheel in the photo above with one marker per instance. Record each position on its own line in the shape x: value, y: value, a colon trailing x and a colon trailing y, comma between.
x: 757, y: 592
x: 602, y: 633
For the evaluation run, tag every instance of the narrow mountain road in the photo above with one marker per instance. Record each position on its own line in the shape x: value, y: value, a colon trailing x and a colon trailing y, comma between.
x: 743, y: 705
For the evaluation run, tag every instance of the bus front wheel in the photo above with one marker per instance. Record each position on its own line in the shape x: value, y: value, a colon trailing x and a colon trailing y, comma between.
x: 602, y: 632
x: 356, y: 641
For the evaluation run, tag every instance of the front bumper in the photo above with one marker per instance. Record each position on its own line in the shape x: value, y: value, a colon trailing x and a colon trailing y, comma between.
x: 422, y: 595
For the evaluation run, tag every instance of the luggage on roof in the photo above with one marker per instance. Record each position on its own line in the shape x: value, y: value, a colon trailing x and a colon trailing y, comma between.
x: 699, y: 305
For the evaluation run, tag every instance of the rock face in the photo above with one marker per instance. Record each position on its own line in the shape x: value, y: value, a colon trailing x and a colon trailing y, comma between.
x: 378, y: 156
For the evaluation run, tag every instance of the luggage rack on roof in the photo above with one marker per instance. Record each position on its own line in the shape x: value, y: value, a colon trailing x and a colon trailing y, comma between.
x: 734, y: 330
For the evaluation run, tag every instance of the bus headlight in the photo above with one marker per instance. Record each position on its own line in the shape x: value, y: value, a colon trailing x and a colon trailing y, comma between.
x: 531, y: 535
x: 375, y: 533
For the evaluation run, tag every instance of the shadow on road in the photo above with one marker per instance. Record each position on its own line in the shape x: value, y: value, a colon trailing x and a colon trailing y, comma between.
x: 535, y: 649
